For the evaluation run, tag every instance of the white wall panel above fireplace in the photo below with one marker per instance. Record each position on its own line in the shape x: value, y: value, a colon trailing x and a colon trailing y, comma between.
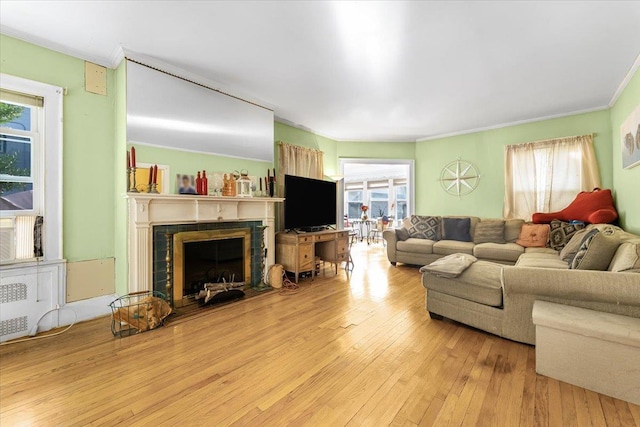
x: 168, y: 111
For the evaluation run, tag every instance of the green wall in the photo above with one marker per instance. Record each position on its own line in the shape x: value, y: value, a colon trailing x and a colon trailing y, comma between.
x: 626, y: 181
x: 88, y: 146
x: 486, y: 150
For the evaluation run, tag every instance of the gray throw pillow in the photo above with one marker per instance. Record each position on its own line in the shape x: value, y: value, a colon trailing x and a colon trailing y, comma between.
x: 457, y: 229
x: 489, y: 231
x: 425, y: 227
x: 596, y: 251
x: 402, y: 234
x: 561, y: 233
x: 571, y: 248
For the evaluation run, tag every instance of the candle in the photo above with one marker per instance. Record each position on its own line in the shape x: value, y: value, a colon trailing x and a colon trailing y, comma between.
x: 268, y: 175
x: 155, y: 174
x: 205, y: 183
x: 274, y: 174
x: 128, y: 160
x: 150, y: 175
x: 260, y: 183
x: 133, y: 157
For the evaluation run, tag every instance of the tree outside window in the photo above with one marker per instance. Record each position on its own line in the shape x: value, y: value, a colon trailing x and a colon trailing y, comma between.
x: 16, y: 175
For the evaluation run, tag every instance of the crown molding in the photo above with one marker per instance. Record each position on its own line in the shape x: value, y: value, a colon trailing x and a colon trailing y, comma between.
x: 509, y: 124
x: 625, y: 81
x: 38, y: 41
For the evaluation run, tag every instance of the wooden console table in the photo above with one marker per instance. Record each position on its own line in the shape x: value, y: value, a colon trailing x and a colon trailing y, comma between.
x: 297, y: 252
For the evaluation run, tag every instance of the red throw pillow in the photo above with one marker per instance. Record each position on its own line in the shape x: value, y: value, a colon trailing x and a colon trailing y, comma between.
x: 534, y: 235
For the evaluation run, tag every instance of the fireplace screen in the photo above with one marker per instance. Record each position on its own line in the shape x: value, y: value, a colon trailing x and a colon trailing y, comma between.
x: 212, y: 256
x: 212, y: 261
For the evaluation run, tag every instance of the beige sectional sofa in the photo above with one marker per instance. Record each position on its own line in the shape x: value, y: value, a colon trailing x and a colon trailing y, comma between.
x: 496, y: 293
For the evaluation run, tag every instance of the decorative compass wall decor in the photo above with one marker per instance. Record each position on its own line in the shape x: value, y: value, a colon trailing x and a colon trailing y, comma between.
x: 459, y: 178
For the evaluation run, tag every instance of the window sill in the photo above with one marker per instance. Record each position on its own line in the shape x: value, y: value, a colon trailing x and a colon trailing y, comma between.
x: 29, y: 263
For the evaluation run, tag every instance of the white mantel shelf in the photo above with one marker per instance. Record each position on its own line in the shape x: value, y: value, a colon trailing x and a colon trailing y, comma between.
x: 147, y: 210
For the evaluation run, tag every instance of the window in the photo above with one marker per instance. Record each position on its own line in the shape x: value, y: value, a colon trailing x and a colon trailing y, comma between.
x: 546, y: 176
x: 30, y: 218
x: 379, y: 202
x: 354, y: 203
x: 19, y: 140
x: 401, y: 202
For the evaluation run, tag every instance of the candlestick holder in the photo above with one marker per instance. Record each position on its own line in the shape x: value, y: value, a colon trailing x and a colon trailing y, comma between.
x: 132, y: 180
x: 153, y: 188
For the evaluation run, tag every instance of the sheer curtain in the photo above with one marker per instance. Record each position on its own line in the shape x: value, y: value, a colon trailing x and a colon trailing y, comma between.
x: 545, y: 176
x: 298, y: 161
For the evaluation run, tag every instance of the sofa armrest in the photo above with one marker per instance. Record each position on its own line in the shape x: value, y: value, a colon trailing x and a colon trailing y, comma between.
x: 580, y: 285
x: 390, y: 237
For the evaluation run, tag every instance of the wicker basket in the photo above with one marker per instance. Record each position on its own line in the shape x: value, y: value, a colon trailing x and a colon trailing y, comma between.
x: 128, y: 313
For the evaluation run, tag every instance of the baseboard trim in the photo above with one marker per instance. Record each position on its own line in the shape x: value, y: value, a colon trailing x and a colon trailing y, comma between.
x: 86, y: 309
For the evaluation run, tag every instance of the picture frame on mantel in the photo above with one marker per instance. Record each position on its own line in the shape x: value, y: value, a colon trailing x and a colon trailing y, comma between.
x: 142, y: 178
x: 630, y: 139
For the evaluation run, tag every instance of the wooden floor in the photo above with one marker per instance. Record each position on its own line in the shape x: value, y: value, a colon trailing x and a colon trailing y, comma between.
x: 340, y: 352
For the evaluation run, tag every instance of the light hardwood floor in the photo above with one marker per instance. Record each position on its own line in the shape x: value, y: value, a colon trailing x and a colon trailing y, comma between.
x: 340, y: 352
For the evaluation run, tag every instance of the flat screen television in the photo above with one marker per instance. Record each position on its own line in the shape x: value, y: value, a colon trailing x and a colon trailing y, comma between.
x: 309, y: 203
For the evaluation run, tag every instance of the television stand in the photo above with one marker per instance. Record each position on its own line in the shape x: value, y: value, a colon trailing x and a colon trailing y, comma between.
x: 297, y: 252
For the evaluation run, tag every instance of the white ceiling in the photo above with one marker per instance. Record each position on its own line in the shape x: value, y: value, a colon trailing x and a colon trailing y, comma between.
x: 384, y: 71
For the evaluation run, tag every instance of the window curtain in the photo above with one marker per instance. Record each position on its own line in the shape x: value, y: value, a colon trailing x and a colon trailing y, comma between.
x: 545, y: 176
x: 298, y: 161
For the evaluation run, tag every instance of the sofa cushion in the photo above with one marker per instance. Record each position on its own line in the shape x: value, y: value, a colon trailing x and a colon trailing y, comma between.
x: 626, y: 258
x: 534, y: 235
x: 425, y: 227
x: 489, y: 231
x: 412, y: 244
x: 512, y: 229
x: 456, y: 229
x: 498, y: 251
x: 448, y: 247
x: 481, y: 283
x: 541, y: 260
x: 571, y: 248
x: 402, y: 234
x: 561, y: 233
x: 541, y: 251
x: 596, y: 251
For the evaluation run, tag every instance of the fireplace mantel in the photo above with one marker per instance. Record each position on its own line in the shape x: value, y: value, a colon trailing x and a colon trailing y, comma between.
x: 147, y: 210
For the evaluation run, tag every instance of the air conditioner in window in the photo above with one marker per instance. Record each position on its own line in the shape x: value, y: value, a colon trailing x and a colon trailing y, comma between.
x: 8, y: 239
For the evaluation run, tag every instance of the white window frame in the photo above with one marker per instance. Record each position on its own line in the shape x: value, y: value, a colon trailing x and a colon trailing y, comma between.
x: 411, y: 188
x: 49, y: 162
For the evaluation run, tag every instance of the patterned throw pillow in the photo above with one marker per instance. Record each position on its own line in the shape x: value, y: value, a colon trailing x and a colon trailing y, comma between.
x: 534, y: 235
x: 571, y: 248
x: 596, y: 251
x: 561, y: 233
x: 425, y: 227
x: 489, y: 231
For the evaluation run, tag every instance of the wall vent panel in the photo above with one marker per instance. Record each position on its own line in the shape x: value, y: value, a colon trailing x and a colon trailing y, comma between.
x: 15, y: 325
x: 13, y: 292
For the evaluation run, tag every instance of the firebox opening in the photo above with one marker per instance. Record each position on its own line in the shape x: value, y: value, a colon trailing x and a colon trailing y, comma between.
x: 209, y: 256
x: 212, y: 261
